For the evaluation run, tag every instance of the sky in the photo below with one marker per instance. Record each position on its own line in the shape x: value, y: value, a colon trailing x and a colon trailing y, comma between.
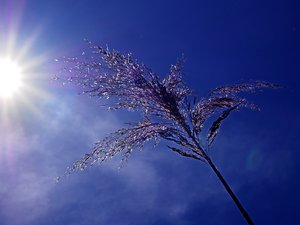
x: 46, y: 126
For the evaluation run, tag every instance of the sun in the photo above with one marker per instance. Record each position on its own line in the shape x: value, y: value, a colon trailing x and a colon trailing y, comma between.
x: 10, y: 77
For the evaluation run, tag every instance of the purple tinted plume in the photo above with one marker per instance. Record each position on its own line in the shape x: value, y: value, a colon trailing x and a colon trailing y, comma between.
x: 168, y: 109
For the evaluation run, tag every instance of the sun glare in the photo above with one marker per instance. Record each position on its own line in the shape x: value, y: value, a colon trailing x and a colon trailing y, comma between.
x: 10, y: 77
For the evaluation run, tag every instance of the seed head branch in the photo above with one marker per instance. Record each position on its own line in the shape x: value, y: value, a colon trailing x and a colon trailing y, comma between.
x: 169, y: 110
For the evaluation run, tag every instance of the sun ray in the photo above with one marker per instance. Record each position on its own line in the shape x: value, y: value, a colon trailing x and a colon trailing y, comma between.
x: 13, y: 23
x: 27, y: 45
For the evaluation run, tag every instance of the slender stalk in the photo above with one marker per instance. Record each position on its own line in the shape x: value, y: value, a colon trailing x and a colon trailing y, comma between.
x: 221, y: 178
x: 230, y: 192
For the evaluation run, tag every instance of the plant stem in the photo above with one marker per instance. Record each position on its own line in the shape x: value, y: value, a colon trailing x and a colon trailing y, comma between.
x: 204, y: 154
x: 230, y: 192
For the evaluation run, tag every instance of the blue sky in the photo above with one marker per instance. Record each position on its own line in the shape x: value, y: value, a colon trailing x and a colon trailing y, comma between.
x: 48, y: 126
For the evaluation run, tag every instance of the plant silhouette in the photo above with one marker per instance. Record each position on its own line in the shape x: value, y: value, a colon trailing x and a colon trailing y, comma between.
x: 168, y: 107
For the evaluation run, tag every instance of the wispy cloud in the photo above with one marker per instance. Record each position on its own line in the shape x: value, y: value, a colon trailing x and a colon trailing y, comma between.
x: 40, y: 147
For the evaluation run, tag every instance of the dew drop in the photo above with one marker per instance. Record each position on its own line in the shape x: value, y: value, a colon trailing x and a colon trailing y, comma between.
x: 57, y: 179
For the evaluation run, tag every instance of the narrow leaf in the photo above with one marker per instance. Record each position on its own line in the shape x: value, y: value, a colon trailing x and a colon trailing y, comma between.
x: 213, y: 131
